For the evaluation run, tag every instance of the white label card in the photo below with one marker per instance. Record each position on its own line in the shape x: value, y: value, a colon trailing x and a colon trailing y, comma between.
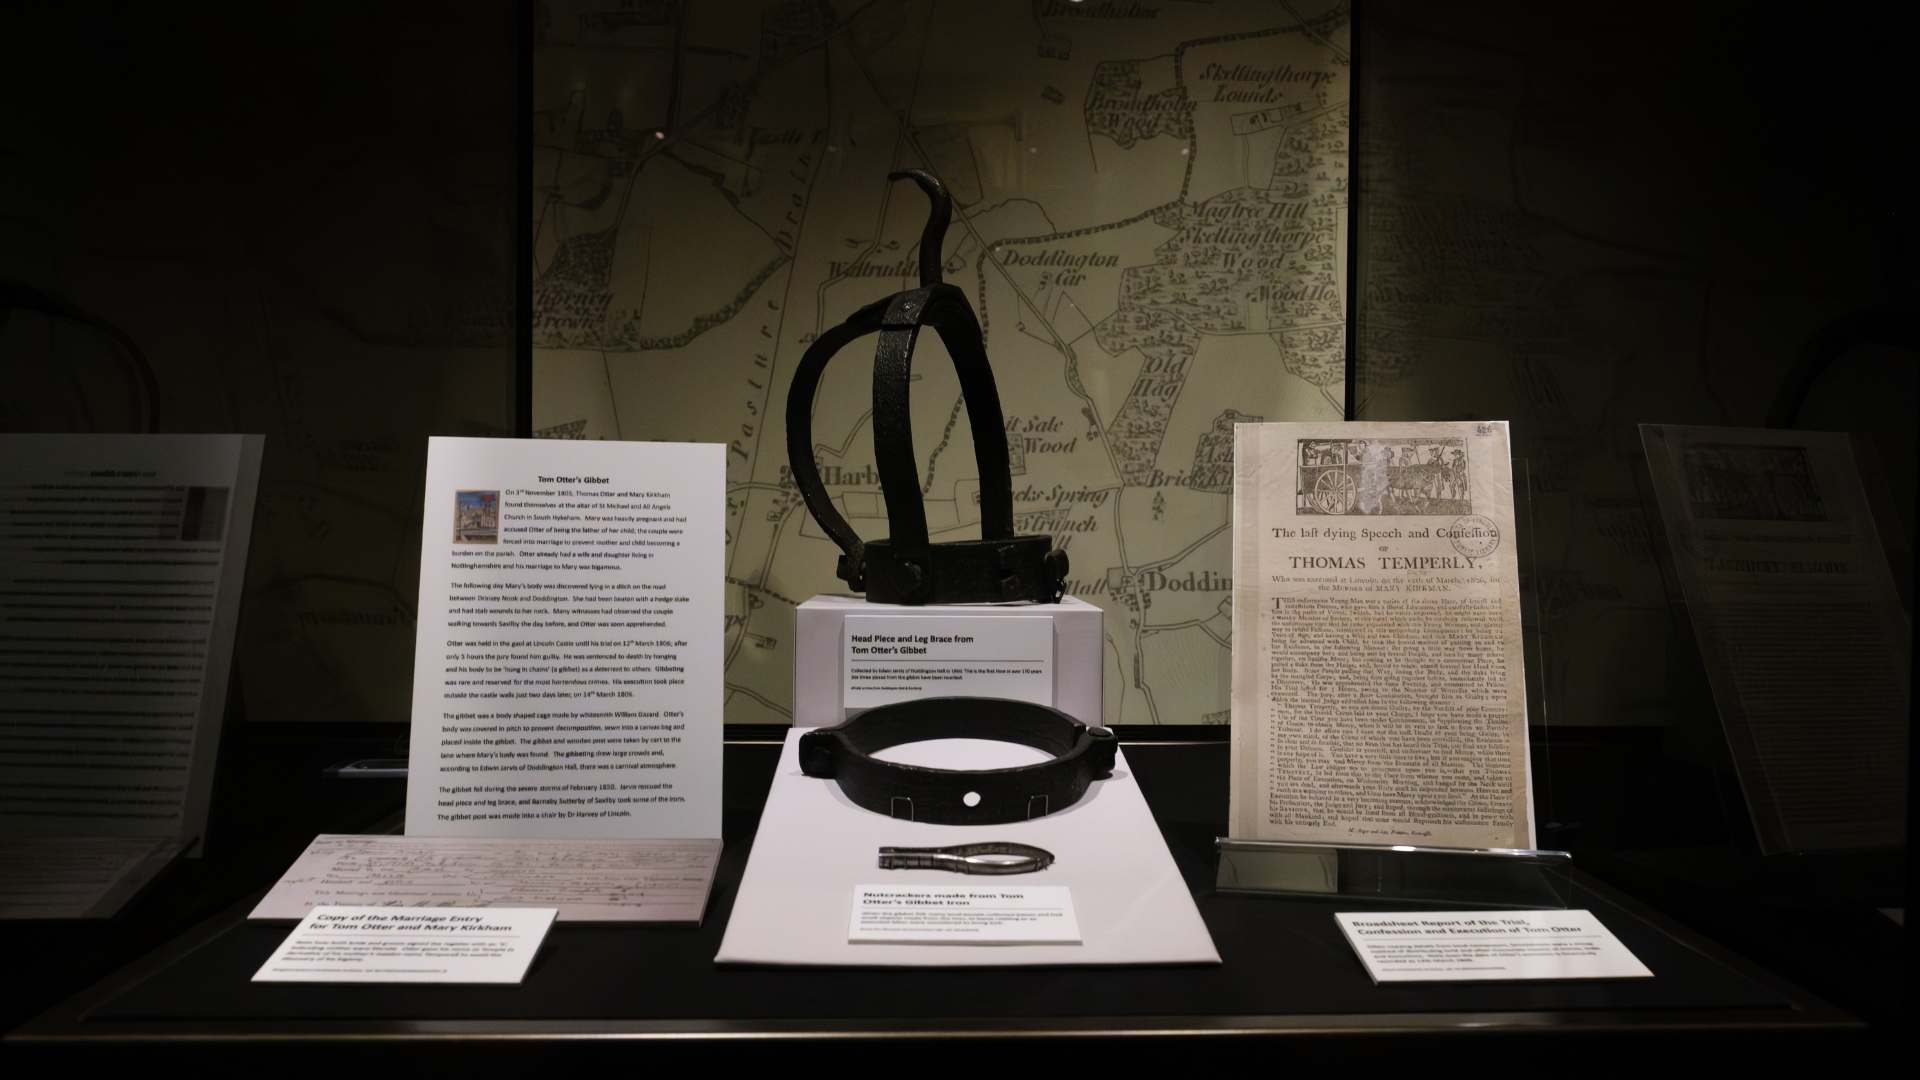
x: 963, y: 915
x: 890, y: 658
x: 385, y: 945
x: 1450, y: 946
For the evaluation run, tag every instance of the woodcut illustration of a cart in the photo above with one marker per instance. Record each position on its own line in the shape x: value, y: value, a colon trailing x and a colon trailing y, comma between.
x: 1328, y: 480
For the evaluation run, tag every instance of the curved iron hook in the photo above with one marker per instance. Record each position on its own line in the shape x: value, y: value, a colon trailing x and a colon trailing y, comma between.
x: 938, y: 217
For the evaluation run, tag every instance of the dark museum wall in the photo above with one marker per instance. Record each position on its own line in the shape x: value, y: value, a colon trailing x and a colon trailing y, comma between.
x: 1579, y: 219
x: 304, y: 216
x: 1575, y: 216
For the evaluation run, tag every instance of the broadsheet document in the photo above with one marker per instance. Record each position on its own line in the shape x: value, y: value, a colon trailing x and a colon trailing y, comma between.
x: 1378, y: 689
x: 567, y: 677
x: 121, y: 562
x: 1800, y: 628
x: 652, y: 881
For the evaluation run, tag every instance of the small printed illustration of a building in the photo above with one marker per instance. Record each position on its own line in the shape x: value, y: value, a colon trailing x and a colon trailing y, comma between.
x: 476, y: 517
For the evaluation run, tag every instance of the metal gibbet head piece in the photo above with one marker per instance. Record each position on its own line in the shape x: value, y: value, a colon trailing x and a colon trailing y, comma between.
x: 905, y: 567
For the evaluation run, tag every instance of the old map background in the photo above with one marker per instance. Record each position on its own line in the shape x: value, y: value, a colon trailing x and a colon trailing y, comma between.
x: 1587, y: 219
x: 1151, y: 210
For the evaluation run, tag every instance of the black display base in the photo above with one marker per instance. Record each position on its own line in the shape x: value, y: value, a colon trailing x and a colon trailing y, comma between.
x: 1286, y: 970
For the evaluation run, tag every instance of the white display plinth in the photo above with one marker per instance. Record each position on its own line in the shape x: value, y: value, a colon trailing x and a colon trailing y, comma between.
x: 820, y: 676
x: 815, y: 847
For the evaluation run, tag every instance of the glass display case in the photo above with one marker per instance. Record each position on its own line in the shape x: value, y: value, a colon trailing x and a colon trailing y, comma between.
x: 629, y: 222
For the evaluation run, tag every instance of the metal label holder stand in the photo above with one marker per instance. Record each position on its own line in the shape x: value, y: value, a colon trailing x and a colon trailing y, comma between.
x: 1481, y: 877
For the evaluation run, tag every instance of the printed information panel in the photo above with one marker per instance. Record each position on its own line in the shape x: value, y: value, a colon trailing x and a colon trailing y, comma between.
x: 567, y: 673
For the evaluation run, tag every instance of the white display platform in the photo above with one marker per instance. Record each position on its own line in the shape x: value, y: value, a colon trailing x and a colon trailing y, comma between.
x: 814, y: 846
x: 819, y: 669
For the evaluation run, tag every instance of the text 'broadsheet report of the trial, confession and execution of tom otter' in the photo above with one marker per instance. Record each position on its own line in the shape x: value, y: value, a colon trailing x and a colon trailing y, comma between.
x: 1378, y: 686
x: 567, y: 677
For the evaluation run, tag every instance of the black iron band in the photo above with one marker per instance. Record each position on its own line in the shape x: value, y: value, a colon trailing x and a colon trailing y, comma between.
x: 967, y: 571
x: 1081, y: 755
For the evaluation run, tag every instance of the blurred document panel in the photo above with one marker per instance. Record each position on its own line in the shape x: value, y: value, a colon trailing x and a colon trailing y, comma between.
x: 77, y: 877
x: 1799, y: 625
x: 121, y: 562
